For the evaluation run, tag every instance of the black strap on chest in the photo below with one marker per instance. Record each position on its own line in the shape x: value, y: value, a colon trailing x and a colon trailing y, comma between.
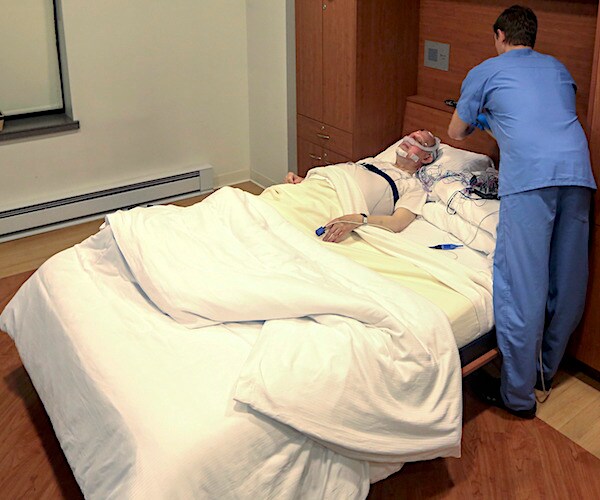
x: 375, y: 170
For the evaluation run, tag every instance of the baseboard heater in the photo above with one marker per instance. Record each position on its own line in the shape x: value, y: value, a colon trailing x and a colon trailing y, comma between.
x: 32, y: 219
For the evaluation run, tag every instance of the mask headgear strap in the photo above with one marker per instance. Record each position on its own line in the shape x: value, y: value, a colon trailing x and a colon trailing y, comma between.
x: 432, y: 150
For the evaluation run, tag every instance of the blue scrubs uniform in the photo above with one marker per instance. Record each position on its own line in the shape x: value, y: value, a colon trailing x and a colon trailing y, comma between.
x: 545, y: 185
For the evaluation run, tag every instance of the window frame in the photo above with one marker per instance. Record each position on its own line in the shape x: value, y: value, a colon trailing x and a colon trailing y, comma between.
x: 49, y: 121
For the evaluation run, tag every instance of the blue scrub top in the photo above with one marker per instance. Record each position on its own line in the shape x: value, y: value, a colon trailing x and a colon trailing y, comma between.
x: 529, y: 101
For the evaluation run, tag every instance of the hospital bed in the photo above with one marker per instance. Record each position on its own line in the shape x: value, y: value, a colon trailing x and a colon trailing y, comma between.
x: 223, y: 351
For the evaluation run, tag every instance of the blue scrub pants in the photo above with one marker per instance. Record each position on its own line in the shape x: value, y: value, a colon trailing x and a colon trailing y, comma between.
x: 540, y: 281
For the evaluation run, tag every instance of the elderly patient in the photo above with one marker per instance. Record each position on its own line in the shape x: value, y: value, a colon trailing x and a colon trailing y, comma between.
x: 393, y: 193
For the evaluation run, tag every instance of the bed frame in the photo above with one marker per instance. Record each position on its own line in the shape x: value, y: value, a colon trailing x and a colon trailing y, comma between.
x: 423, y: 112
x: 479, y: 352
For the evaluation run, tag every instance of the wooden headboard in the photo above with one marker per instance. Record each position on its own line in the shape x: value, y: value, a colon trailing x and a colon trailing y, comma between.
x: 422, y: 112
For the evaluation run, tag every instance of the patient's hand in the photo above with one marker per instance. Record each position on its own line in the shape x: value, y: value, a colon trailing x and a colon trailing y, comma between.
x: 292, y: 178
x: 339, y: 229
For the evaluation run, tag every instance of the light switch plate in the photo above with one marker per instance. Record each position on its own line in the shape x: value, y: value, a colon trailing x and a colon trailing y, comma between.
x: 437, y: 55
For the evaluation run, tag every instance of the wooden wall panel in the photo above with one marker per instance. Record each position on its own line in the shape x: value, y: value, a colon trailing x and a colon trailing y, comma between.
x: 593, y: 102
x: 566, y: 30
x: 593, y: 128
x: 585, y: 343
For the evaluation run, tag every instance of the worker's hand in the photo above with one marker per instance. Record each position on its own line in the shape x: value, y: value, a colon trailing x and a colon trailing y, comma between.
x: 339, y: 229
x: 481, y: 122
x: 292, y: 178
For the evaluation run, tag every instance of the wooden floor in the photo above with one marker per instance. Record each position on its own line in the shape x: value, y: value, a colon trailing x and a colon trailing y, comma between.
x: 503, y: 457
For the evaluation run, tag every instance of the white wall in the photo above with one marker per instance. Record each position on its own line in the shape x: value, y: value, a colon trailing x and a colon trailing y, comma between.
x: 271, y: 83
x: 157, y: 86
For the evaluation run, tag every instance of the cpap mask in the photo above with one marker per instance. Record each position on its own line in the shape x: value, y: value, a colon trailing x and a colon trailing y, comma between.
x: 433, y: 150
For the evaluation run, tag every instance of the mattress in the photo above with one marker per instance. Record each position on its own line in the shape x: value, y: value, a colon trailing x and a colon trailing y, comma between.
x: 340, y: 377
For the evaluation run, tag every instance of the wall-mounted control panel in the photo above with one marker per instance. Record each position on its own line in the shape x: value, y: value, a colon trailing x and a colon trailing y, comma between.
x: 437, y: 55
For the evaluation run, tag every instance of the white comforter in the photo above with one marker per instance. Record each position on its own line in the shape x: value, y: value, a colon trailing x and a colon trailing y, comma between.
x: 364, y: 367
x: 345, y: 356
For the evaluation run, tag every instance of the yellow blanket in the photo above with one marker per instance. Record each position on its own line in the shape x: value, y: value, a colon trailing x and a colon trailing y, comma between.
x: 314, y: 202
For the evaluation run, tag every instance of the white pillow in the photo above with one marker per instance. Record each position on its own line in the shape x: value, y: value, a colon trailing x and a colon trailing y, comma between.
x: 480, y: 213
x: 389, y: 154
x: 470, y: 235
x: 449, y: 158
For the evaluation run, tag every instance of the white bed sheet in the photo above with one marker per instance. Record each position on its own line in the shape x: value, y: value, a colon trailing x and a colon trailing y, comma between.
x: 144, y: 406
x: 464, y: 270
x: 424, y: 233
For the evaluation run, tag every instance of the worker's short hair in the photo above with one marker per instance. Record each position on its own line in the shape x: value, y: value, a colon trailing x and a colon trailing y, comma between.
x: 519, y: 25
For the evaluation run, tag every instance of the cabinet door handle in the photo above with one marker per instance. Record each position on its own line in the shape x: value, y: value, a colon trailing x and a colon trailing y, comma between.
x: 323, y: 136
x: 315, y: 157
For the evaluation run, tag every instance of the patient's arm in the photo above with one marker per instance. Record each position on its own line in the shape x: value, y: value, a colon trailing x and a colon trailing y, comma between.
x: 401, y: 218
x: 339, y: 229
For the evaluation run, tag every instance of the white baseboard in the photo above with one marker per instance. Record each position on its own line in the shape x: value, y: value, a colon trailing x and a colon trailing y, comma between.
x: 27, y: 220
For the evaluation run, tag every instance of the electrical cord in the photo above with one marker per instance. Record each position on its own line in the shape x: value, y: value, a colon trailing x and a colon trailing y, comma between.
x: 450, y: 210
x: 546, y: 393
x: 429, y: 175
x: 479, y: 227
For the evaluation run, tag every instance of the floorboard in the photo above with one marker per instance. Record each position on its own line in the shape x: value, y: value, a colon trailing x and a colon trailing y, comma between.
x: 502, y: 457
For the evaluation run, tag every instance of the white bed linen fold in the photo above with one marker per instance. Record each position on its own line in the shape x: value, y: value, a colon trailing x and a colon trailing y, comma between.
x: 466, y: 233
x: 480, y: 213
x: 142, y: 406
x: 356, y: 361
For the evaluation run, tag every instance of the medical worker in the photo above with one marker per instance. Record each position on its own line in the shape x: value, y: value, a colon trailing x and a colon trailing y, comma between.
x: 527, y: 99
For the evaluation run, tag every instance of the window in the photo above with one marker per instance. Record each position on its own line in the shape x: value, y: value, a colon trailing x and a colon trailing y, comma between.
x: 31, y: 85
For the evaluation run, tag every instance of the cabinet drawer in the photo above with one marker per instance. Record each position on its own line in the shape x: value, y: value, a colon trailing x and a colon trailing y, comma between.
x: 312, y: 155
x: 332, y: 158
x: 329, y: 137
x: 309, y: 155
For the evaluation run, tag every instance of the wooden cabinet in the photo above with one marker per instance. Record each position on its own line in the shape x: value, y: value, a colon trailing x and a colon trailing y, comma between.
x: 356, y: 62
x: 313, y: 155
x: 585, y: 344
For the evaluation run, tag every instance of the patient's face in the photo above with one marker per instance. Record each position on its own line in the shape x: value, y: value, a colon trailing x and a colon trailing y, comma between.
x: 408, y: 163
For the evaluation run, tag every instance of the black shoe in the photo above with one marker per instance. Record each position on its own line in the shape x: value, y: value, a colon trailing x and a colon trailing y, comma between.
x: 547, y: 384
x: 487, y: 389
